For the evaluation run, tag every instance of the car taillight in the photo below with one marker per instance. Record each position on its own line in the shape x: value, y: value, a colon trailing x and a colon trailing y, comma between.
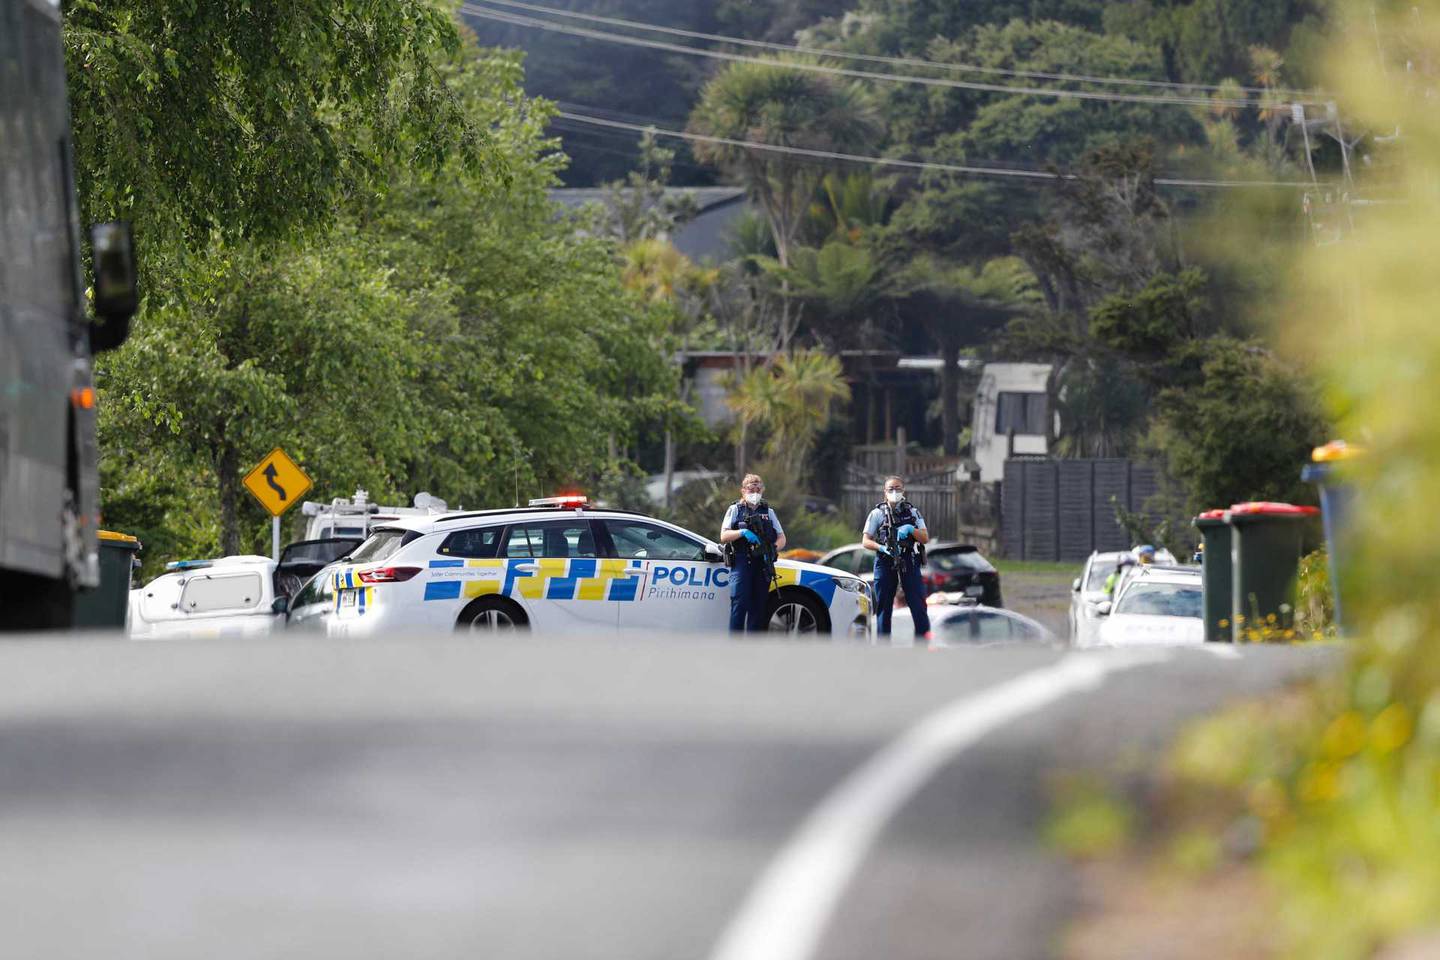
x: 388, y: 574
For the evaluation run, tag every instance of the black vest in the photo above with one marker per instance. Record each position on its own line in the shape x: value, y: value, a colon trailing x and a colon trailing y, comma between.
x: 748, y: 518
x: 903, y: 512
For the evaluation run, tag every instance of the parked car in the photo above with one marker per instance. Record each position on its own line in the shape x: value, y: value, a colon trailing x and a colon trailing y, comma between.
x: 852, y: 558
x: 1156, y: 605
x: 949, y: 567
x: 957, y: 621
x: 228, y: 596
x: 1087, y: 593
x: 952, y: 567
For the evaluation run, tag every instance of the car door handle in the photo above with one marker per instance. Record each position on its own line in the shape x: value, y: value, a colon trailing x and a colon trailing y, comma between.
x: 523, y: 567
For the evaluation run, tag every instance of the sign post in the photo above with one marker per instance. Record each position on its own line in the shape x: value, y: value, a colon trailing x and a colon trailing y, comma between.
x: 277, y: 482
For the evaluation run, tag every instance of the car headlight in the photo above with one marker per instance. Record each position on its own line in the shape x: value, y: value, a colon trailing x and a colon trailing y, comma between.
x: 848, y: 585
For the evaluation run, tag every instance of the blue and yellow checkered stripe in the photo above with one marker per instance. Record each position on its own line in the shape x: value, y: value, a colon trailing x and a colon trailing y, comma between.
x: 347, y: 580
x: 821, y: 584
x: 578, y: 579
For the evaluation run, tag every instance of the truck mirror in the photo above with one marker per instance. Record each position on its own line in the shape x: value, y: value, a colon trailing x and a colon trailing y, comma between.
x: 116, y: 289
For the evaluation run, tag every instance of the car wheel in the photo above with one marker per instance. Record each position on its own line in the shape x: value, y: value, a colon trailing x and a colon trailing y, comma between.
x: 492, y: 615
x: 797, y: 612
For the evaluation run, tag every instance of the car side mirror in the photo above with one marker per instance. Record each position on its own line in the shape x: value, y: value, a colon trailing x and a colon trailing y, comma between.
x: 714, y: 554
x: 279, y: 605
x: 1104, y: 607
x: 114, y: 284
x: 1076, y: 585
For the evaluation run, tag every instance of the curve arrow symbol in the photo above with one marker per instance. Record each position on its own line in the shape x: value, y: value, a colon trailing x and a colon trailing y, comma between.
x: 270, y: 479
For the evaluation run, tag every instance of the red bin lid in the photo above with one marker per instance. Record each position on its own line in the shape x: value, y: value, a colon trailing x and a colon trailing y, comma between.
x: 1217, y: 514
x: 1262, y: 508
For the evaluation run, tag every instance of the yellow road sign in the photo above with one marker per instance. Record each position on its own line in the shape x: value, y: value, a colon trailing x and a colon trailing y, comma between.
x: 277, y: 482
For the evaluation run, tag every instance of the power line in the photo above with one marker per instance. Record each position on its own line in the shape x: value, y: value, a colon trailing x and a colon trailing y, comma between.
x: 893, y: 61
x: 1021, y: 173
x: 519, y: 21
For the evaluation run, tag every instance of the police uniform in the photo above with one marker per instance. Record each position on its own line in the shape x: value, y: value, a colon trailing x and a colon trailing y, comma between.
x: 750, y: 580
x: 887, y: 576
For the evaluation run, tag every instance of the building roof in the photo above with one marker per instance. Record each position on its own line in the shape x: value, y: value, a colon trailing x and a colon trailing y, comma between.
x: 706, y: 198
x: 706, y: 236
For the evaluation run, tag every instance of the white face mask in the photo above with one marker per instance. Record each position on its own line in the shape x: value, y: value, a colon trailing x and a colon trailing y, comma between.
x: 894, y: 496
x: 752, y: 498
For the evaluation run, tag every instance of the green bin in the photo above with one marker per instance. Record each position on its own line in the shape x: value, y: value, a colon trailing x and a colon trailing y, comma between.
x: 106, y: 605
x: 1266, y: 544
x: 1216, y: 575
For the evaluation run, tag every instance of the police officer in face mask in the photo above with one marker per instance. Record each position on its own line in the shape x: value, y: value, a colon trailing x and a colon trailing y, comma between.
x: 895, y: 530
x: 754, y: 530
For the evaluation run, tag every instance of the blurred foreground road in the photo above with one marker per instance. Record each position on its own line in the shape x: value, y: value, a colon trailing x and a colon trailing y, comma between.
x: 548, y: 800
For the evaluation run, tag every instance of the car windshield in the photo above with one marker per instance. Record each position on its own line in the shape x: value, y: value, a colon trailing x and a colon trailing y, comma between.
x: 318, y: 551
x: 1162, y: 600
x: 947, y: 561
x: 1100, y: 570
x: 382, y: 543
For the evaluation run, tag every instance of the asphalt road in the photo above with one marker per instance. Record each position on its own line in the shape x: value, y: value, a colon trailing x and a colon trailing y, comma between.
x: 659, y: 799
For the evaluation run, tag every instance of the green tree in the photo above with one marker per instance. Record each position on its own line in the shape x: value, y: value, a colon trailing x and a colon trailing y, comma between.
x: 769, y: 103
x: 639, y: 207
x: 256, y: 119
x: 791, y: 400
x: 957, y: 302
x: 1240, y: 429
x: 310, y: 346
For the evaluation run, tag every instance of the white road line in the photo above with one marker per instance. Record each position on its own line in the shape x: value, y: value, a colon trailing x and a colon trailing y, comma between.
x: 786, y: 912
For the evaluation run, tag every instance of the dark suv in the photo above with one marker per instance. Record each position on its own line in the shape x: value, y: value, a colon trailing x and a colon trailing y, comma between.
x: 959, y: 568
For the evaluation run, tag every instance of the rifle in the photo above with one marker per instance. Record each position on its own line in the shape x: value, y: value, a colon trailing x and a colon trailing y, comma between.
x: 755, y: 523
x: 904, y: 558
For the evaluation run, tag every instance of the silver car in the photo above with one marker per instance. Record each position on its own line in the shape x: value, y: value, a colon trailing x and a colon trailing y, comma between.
x: 1087, y: 593
x: 963, y: 623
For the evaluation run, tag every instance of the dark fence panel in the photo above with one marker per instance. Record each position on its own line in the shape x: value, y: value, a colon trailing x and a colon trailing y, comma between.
x: 1061, y: 510
x: 1042, y: 510
x: 1077, y: 520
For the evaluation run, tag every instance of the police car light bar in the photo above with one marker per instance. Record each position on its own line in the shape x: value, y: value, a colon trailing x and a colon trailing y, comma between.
x: 568, y: 501
x: 189, y: 564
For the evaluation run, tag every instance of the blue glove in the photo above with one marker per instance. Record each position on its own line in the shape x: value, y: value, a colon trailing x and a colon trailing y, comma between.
x: 883, y: 549
x: 906, y: 532
x: 751, y: 536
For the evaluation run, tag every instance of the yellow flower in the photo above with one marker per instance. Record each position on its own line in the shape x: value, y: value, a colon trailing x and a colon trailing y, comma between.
x: 1390, y: 730
x: 1345, y: 736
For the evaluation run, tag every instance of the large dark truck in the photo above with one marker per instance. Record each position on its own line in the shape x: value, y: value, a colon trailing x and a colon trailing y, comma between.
x: 49, y: 487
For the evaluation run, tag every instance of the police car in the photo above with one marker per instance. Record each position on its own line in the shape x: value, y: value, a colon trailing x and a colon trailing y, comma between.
x: 561, y: 566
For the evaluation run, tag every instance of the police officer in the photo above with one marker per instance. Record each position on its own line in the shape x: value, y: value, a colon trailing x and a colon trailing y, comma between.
x: 1112, y: 581
x: 894, y: 530
x: 755, y: 532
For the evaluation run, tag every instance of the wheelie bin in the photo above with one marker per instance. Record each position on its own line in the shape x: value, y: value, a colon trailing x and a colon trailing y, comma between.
x: 1216, y: 576
x: 1266, y: 541
x: 1336, y: 498
x: 106, y: 605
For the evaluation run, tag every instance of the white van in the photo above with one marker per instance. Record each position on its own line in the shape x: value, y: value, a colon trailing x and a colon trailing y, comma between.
x: 236, y: 596
x: 1011, y: 399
